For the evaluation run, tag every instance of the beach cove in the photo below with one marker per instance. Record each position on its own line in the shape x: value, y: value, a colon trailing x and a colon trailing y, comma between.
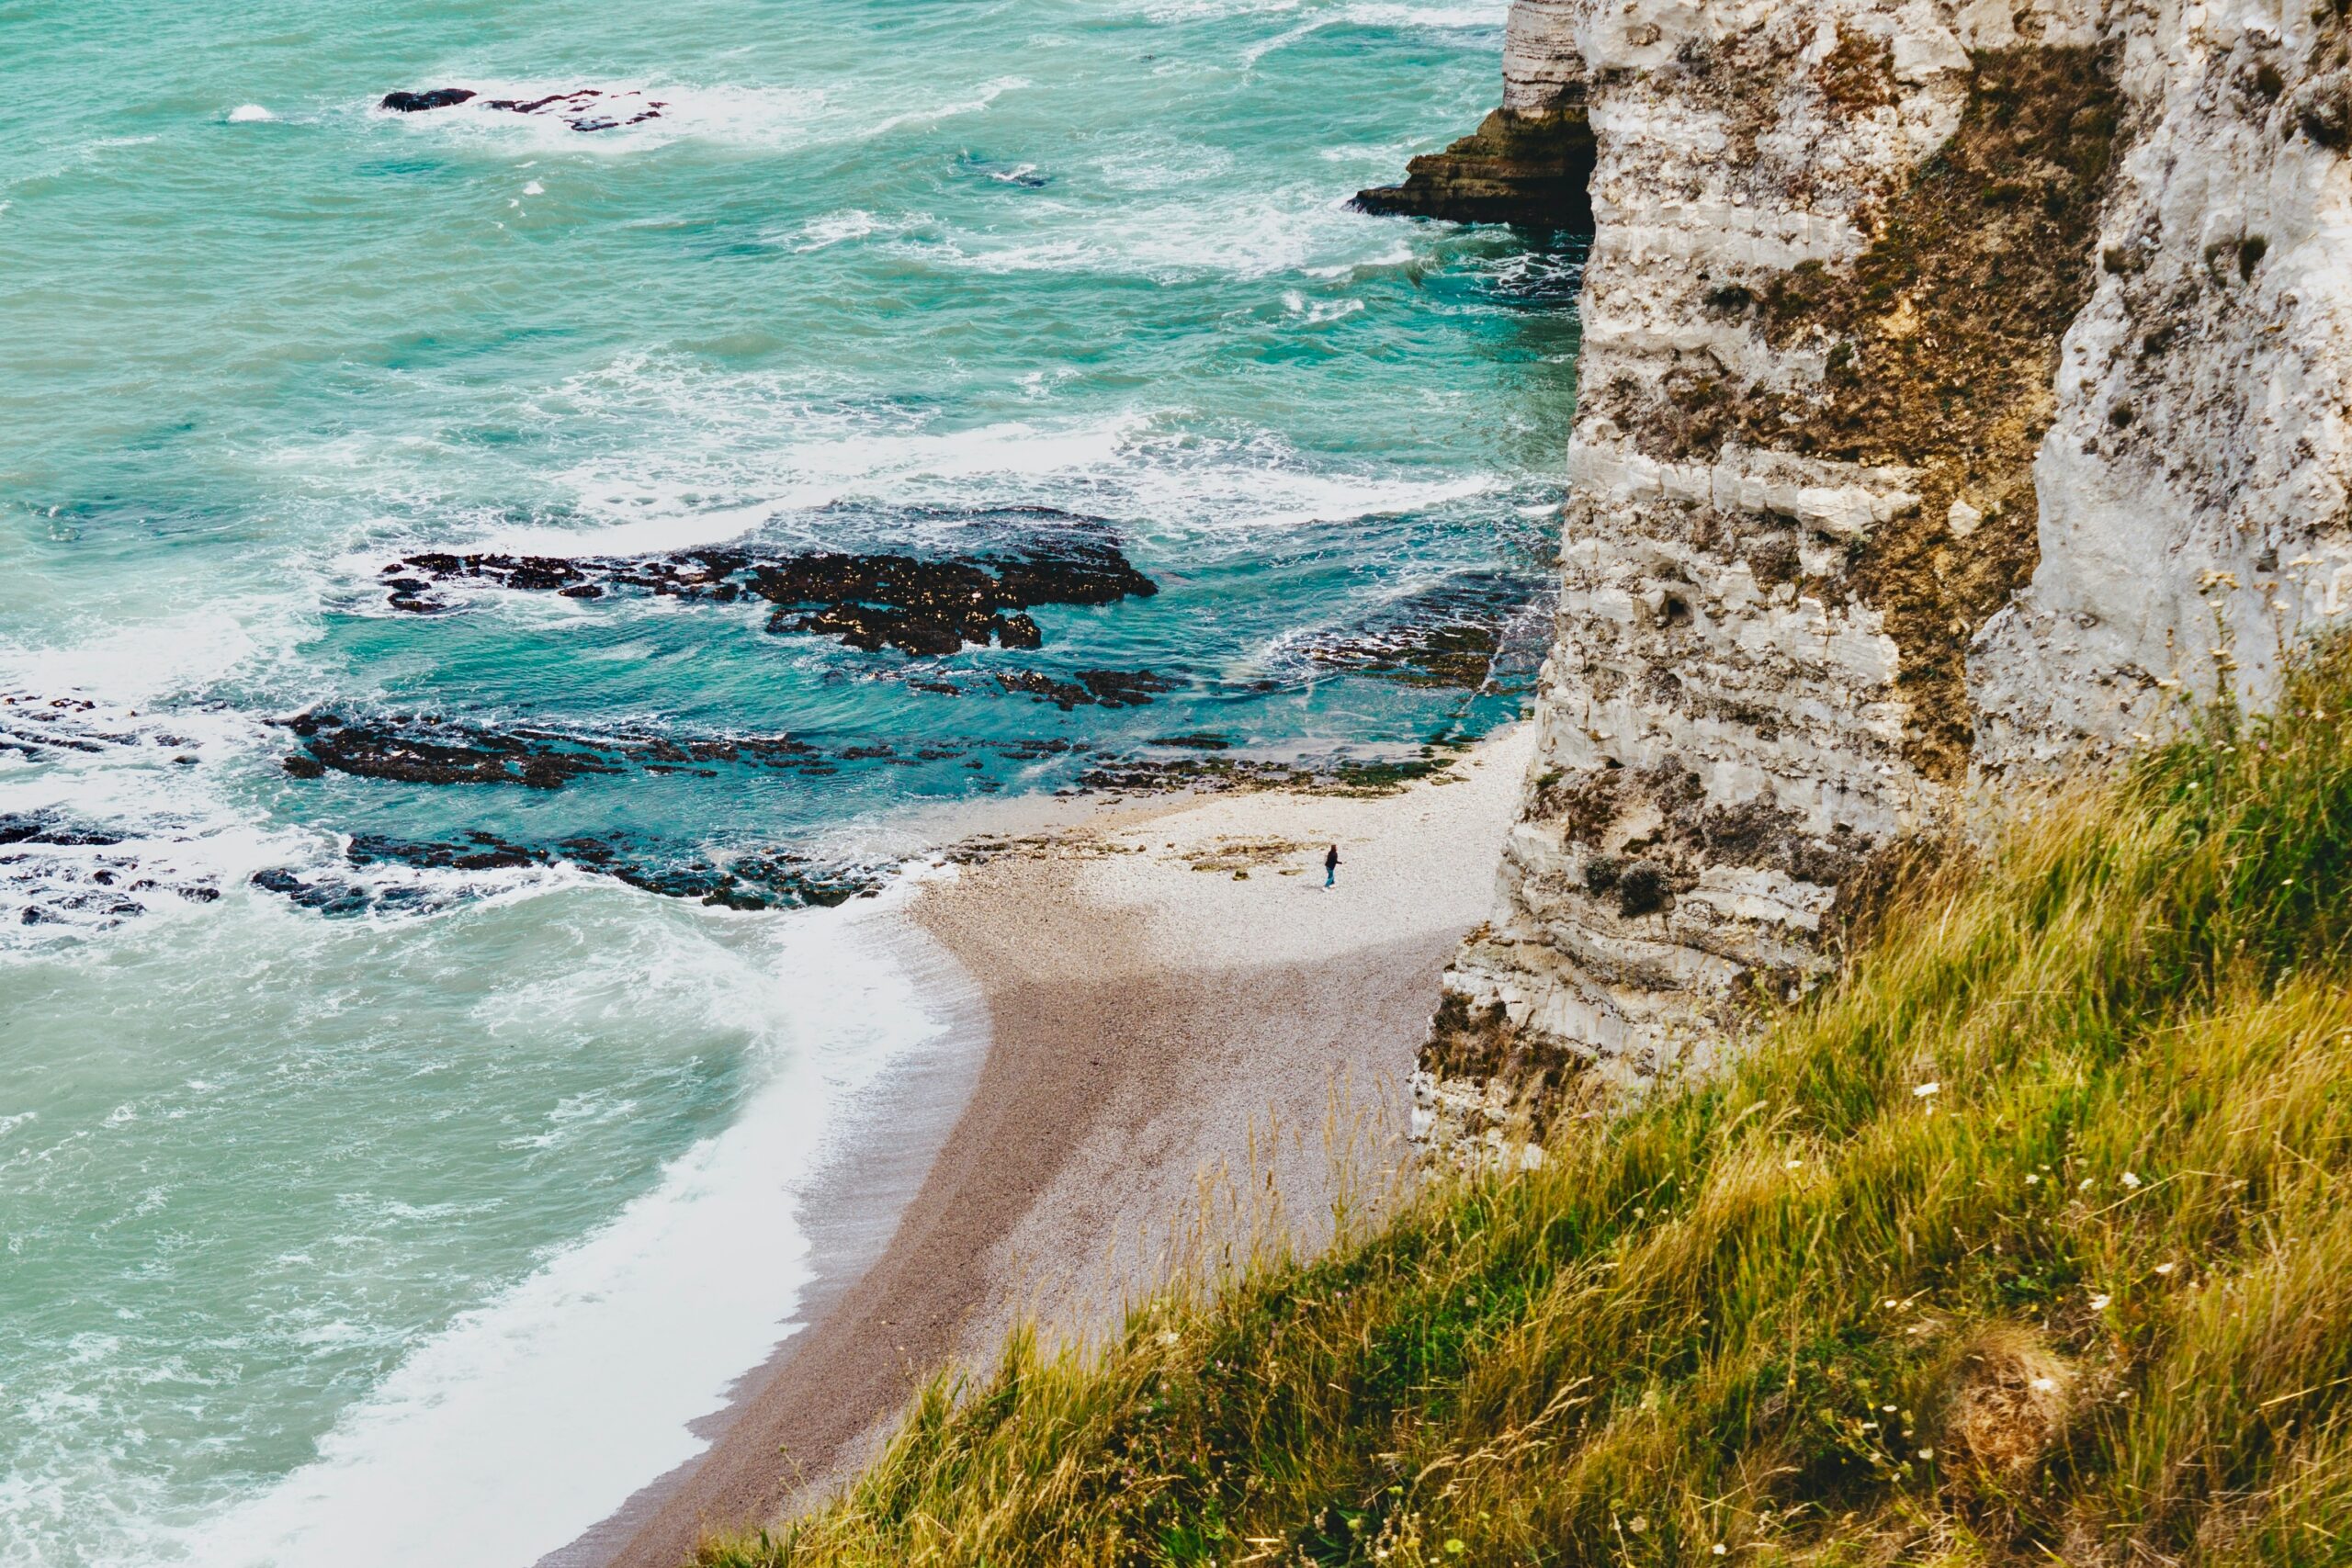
x: 1170, y: 995
x: 494, y: 586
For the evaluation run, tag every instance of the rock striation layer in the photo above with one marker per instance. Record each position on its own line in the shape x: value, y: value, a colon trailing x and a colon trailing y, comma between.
x: 1963, y: 388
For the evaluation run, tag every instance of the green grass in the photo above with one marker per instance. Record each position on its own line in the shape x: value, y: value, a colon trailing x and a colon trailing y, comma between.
x: 2090, y: 1299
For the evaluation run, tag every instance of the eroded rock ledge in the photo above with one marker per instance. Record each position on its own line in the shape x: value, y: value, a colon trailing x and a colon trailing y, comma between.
x: 1531, y: 170
x: 1963, y: 387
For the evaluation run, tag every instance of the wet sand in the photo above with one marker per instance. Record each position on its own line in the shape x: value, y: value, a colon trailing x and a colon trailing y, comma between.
x: 1151, y: 1016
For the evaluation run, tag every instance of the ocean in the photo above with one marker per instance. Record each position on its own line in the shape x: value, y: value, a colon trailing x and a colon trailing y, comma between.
x: 494, y: 594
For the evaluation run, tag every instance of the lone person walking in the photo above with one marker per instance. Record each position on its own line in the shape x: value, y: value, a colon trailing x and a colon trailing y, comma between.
x: 1332, y: 866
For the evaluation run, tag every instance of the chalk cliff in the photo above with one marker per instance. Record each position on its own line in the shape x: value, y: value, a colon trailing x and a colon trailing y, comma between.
x: 1963, y: 387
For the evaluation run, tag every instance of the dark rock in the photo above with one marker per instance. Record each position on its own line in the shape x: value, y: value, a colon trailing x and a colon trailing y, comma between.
x: 759, y: 880
x: 412, y: 751
x: 1643, y: 889
x: 584, y: 110
x: 1110, y: 688
x: 1455, y: 656
x: 1065, y: 694
x: 1482, y: 1043
x: 1534, y: 171
x: 1472, y: 631
x: 329, y: 898
x: 455, y: 754
x: 431, y: 98
x: 1357, y: 777
x: 40, y: 829
x: 1123, y: 688
x: 927, y: 609
x: 577, y: 108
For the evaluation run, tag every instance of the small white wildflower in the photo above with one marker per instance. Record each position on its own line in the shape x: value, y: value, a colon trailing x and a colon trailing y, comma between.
x: 2131, y: 1181
x: 2043, y: 1385
x: 1793, y: 1163
x: 2098, y: 1303
x: 1638, y: 1523
x: 2164, y: 1268
x: 1886, y: 1409
x: 2084, y: 1185
x: 1720, y: 1549
x: 2032, y: 1180
x: 1926, y: 1089
x: 1890, y: 1301
x: 1927, y: 1453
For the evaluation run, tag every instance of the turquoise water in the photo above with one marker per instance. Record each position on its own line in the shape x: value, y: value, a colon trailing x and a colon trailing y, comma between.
x: 384, y: 1179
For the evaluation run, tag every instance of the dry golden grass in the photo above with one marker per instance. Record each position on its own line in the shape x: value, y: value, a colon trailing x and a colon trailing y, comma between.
x: 2029, y: 1240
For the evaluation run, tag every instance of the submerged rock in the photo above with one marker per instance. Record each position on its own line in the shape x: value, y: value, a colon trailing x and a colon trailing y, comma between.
x: 584, y: 109
x: 925, y: 608
x: 1354, y: 776
x: 1110, y: 688
x: 762, y: 879
x: 431, y: 99
x: 440, y: 755
x: 409, y: 749
x: 1457, y: 655
x: 39, y: 828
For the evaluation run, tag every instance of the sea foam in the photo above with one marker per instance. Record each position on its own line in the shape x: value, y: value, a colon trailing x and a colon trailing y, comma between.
x: 526, y: 1421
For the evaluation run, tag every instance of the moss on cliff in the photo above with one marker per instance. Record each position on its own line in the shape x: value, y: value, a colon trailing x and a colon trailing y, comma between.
x: 1941, y: 349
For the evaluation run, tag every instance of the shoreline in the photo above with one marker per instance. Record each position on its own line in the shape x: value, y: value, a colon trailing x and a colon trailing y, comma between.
x: 848, y: 1213
x: 1169, y: 991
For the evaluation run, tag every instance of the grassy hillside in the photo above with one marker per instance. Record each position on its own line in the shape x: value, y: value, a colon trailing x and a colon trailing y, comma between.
x: 2030, y: 1239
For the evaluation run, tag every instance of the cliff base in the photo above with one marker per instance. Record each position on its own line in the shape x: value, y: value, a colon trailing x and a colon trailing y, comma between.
x: 1532, y: 170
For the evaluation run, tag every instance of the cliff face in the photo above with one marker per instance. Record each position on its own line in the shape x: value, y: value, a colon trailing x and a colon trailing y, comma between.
x: 1962, y: 386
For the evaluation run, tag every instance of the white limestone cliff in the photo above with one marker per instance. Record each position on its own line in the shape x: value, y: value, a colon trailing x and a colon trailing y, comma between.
x: 1963, y: 386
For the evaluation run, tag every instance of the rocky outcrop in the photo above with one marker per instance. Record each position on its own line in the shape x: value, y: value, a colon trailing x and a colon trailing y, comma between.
x: 1531, y: 161
x: 926, y: 608
x: 1963, y: 387
x: 1531, y: 170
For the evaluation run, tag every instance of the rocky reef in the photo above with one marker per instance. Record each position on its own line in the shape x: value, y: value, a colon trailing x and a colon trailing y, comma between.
x: 584, y: 110
x: 756, y: 879
x: 1962, y: 393
x: 923, y: 607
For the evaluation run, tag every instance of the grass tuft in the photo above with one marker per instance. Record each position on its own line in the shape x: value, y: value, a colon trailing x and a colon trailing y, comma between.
x: 2027, y: 1239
